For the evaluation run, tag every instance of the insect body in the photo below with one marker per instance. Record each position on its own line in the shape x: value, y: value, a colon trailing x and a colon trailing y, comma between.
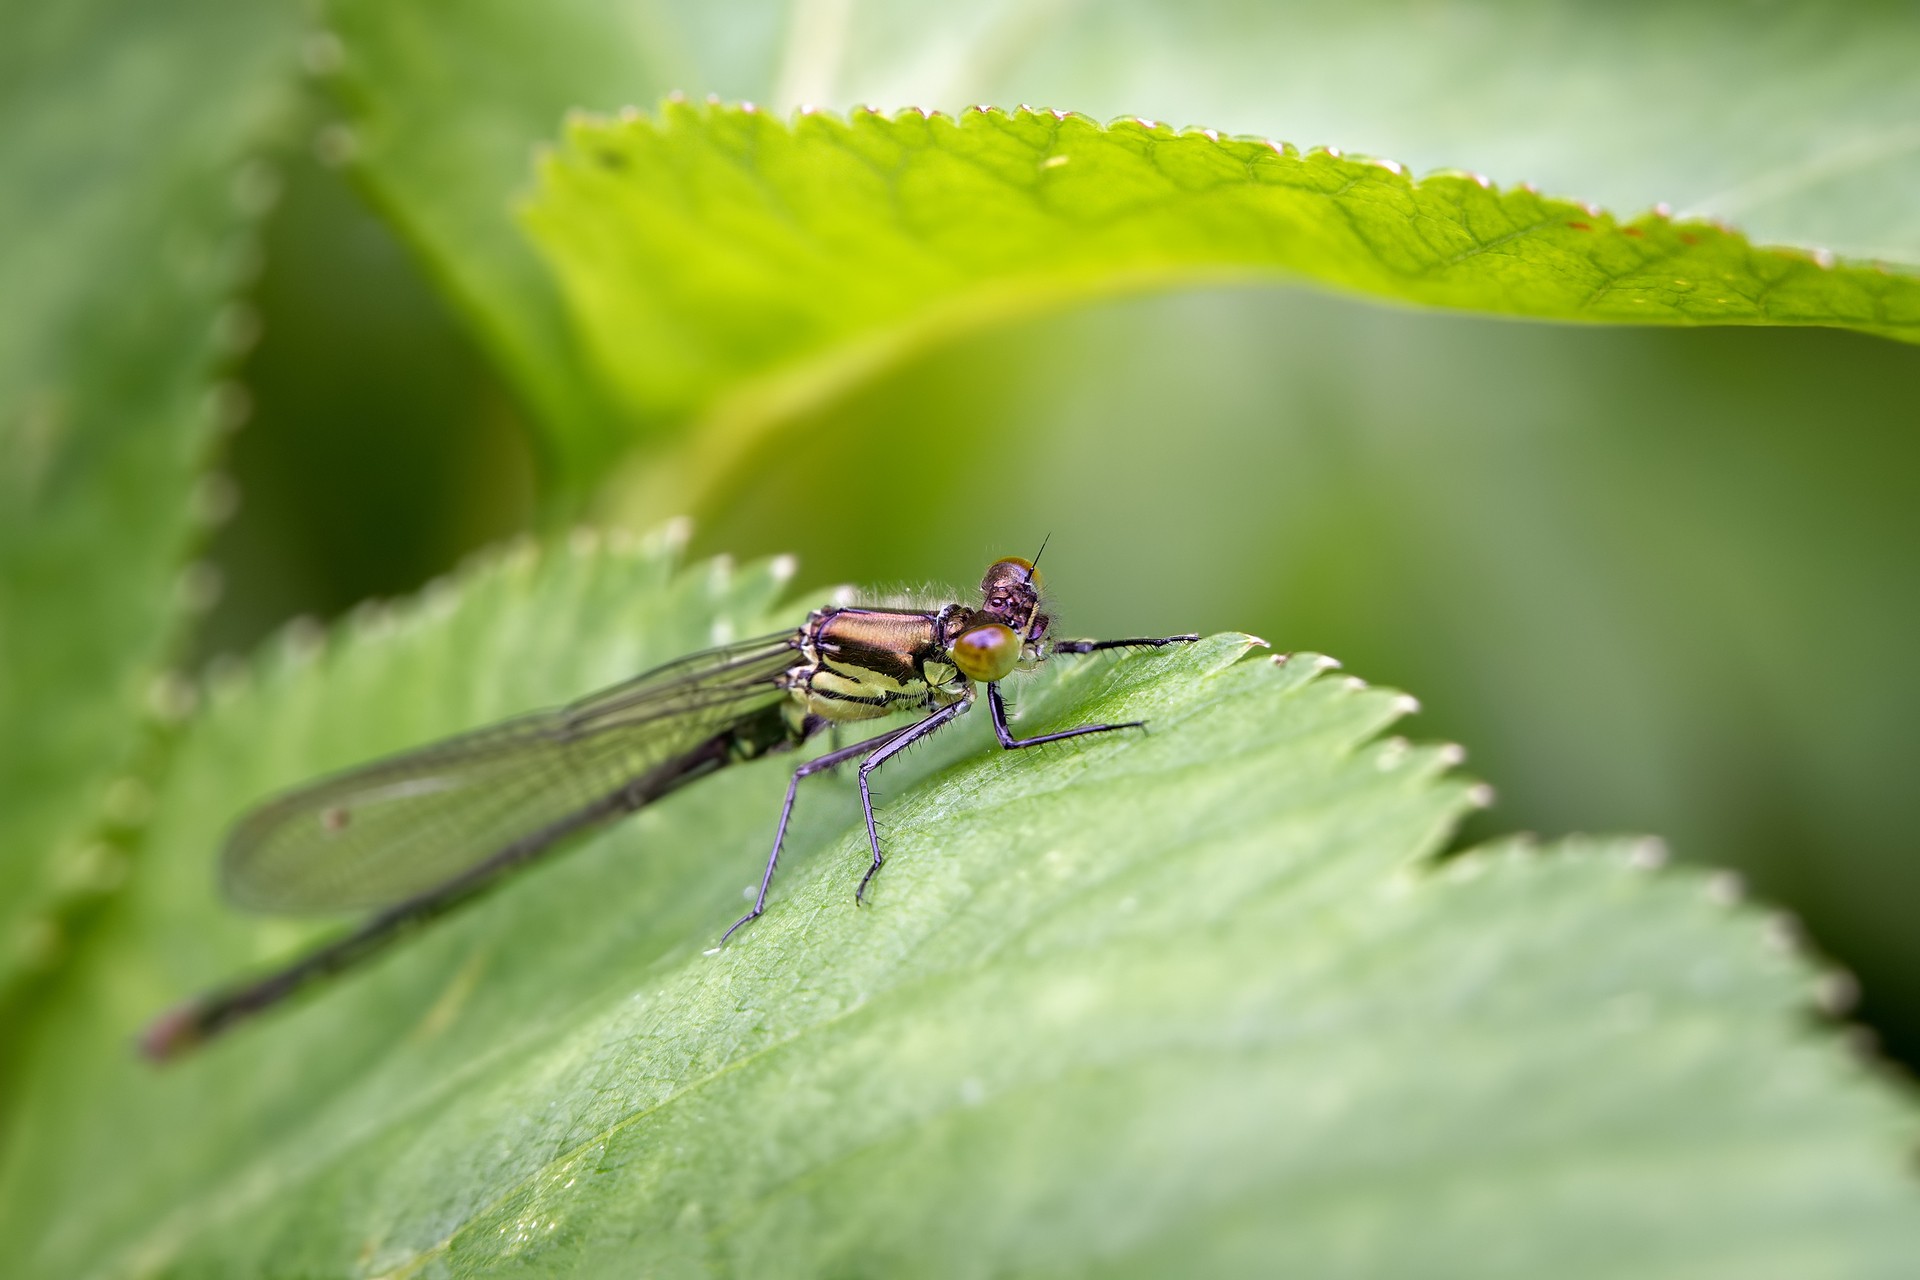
x: 412, y: 836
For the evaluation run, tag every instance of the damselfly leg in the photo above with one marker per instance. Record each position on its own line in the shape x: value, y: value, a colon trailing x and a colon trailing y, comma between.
x: 819, y: 764
x: 913, y: 734
x: 998, y: 707
x: 1138, y: 642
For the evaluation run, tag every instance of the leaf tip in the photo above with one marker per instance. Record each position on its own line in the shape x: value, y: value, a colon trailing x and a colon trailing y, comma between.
x: 1726, y: 888
x: 172, y: 697
x: 302, y: 639
x: 672, y: 537
x: 373, y: 619
x: 1836, y: 992
x: 199, y: 586
x: 322, y: 55
x: 128, y: 801
x: 335, y: 146
x: 1647, y: 854
x: 1392, y: 751
x: 1784, y: 933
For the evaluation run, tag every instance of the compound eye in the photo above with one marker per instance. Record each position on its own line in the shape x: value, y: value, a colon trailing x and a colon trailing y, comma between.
x: 987, y: 653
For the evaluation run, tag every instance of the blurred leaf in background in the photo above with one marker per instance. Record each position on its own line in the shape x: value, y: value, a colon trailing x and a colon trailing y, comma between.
x: 382, y: 447
x: 122, y: 252
x: 1656, y: 580
x: 1784, y: 117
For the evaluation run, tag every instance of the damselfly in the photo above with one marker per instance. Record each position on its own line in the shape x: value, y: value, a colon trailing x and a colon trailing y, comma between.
x: 414, y: 835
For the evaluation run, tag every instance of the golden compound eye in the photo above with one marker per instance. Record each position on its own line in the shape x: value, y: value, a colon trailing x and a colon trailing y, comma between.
x: 987, y: 653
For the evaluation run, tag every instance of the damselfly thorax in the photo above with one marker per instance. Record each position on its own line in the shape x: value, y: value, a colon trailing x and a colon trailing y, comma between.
x: 861, y: 664
x: 411, y: 836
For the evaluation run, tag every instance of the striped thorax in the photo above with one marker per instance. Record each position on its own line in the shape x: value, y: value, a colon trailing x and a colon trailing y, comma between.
x: 863, y: 663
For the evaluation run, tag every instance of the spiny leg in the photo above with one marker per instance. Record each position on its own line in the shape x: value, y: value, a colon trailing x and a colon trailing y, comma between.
x: 898, y: 743
x: 819, y: 764
x: 1138, y: 642
x: 998, y: 707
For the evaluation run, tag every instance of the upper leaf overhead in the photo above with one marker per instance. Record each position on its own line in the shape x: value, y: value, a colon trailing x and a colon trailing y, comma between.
x: 721, y: 260
x: 1792, y: 120
x: 1191, y: 1000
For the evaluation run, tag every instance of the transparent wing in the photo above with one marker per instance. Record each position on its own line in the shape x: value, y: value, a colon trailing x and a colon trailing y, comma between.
x: 386, y: 831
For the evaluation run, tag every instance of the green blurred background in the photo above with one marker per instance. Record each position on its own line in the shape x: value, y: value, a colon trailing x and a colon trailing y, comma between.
x: 1655, y: 581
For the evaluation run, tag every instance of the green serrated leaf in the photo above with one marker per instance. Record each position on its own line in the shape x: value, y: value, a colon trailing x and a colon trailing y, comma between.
x: 1791, y: 123
x: 720, y: 261
x: 1188, y: 1001
x: 119, y: 247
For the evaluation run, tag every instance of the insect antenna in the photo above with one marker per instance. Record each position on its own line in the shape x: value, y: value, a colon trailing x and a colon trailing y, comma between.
x: 1033, y: 567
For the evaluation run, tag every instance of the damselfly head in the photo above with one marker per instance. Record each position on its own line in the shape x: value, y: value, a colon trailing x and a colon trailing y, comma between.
x: 1010, y: 570
x: 1010, y: 596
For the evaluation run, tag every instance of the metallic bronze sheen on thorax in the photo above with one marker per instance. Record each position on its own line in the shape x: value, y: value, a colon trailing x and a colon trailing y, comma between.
x: 895, y: 642
x: 862, y: 663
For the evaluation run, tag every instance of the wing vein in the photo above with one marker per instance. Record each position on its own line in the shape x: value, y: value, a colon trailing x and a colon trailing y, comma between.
x: 396, y: 828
